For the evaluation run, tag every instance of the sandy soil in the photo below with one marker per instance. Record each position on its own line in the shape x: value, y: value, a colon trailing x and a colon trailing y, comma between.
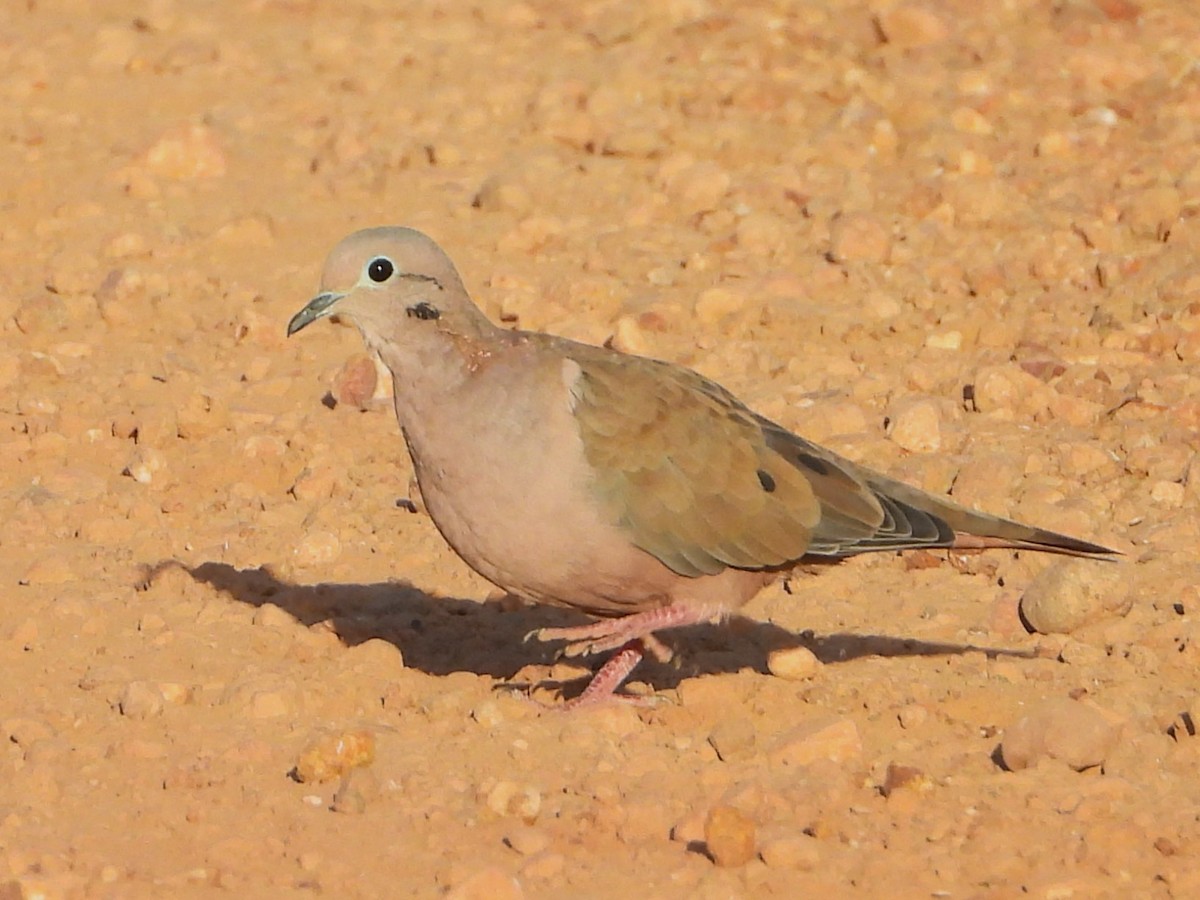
x: 960, y: 247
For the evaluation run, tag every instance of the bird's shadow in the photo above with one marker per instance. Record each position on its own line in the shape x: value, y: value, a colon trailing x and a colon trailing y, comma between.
x: 441, y: 635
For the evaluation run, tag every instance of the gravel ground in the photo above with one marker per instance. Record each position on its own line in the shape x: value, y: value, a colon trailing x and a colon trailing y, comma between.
x: 959, y: 246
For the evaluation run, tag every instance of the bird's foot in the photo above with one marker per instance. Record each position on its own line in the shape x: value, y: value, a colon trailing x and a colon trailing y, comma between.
x: 603, y: 686
x: 610, y: 634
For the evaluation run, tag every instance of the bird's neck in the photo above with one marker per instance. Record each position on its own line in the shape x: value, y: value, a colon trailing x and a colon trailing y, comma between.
x: 429, y: 370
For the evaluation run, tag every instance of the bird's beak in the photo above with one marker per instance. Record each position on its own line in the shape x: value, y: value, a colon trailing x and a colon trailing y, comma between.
x: 318, y: 307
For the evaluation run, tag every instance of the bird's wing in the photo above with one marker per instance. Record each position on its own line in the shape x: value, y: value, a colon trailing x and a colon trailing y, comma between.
x: 702, y: 482
x: 692, y: 474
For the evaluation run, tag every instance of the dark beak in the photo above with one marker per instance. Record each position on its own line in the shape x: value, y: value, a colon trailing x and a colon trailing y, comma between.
x: 318, y: 307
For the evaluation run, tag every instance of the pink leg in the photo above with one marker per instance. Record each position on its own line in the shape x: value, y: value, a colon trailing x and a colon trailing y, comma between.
x: 608, y: 634
x: 604, y: 683
x: 631, y: 636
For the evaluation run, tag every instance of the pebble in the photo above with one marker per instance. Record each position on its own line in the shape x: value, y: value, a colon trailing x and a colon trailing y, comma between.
x: 492, y: 883
x: 793, y: 663
x: 1008, y: 389
x: 1062, y: 729
x: 823, y: 738
x: 317, y: 548
x: 730, y: 836
x: 380, y: 657
x: 915, y: 424
x: 698, y: 187
x: 762, y: 233
x: 247, y: 231
x: 733, y: 738
x: 1071, y: 593
x: 792, y: 851
x: 544, y: 866
x: 906, y: 26
x: 629, y: 336
x: 900, y: 777
x: 912, y: 715
x: 507, y: 798
x: 356, y: 381
x: 263, y: 697
x: 145, y: 464
x: 644, y: 821
x: 186, y: 153
x: 52, y: 569
x: 331, y: 754
x: 317, y: 482
x: 268, y: 615
x: 526, y: 840
x: 1150, y: 213
x: 504, y: 192
x: 140, y: 700
x: 716, y: 303
x: 859, y: 237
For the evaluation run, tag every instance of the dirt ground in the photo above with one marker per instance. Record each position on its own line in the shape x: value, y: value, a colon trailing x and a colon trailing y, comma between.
x: 960, y: 246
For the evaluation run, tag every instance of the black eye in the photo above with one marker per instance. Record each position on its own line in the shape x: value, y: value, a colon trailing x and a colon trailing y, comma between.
x: 380, y: 269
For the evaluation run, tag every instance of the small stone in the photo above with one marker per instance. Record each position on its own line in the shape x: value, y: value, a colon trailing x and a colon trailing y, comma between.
x: 761, y: 233
x: 263, y: 697
x: 492, y: 883
x: 331, y: 755
x: 271, y: 616
x: 52, y: 569
x: 793, y: 663
x: 544, y: 866
x: 908, y: 777
x: 355, y: 383
x: 507, y: 798
x: 644, y: 821
x: 944, y: 340
x: 859, y: 237
x: 699, y: 187
x: 186, y: 153
x: 733, y: 738
x: 380, y: 657
x: 729, y: 835
x: 629, y: 336
x: 140, y: 700
x: 145, y: 463
x: 1008, y: 389
x: 1054, y: 144
x: 352, y: 794
x: 527, y: 840
x: 315, y: 483
x: 504, y: 192
x: 247, y: 231
x: 914, y: 423
x: 913, y: 715
x: 1168, y: 494
x: 1152, y: 212
x: 793, y: 851
x: 1067, y: 730
x: 823, y: 738
x: 319, y: 548
x: 970, y: 121
x: 714, y: 304
x: 907, y: 26
x: 488, y: 714
x: 1071, y: 593
x: 174, y: 693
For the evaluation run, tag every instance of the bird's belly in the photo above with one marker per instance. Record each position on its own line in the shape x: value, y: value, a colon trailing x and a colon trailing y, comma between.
x: 530, y: 533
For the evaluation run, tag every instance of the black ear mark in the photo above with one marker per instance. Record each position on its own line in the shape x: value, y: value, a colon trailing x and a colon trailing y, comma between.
x: 424, y: 310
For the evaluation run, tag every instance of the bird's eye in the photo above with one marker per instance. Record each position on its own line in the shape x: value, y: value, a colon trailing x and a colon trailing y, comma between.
x: 380, y: 269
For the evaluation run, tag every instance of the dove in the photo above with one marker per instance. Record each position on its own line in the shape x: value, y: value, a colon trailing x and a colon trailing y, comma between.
x: 631, y: 489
